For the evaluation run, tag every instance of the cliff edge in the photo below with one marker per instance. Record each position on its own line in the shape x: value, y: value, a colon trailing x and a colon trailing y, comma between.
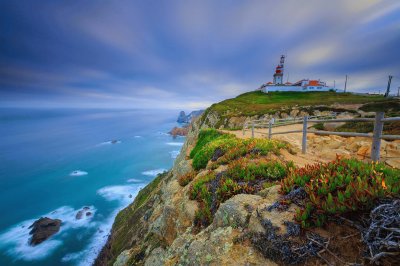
x: 235, y: 201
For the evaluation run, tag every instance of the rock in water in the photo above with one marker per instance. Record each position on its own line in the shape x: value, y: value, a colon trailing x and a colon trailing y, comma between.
x: 182, y: 118
x: 79, y: 214
x: 179, y: 131
x: 42, y: 229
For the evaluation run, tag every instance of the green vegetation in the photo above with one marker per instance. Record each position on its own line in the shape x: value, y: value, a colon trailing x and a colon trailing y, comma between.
x: 319, y: 126
x: 259, y: 103
x: 126, y: 226
x: 360, y: 127
x: 341, y: 186
x: 242, y: 176
x: 229, y: 148
x: 391, y: 107
x: 185, y: 179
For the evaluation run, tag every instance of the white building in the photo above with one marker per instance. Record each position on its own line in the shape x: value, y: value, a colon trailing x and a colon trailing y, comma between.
x: 301, y: 85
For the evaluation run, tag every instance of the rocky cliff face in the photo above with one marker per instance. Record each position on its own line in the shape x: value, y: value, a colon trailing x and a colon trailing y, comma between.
x: 157, y: 228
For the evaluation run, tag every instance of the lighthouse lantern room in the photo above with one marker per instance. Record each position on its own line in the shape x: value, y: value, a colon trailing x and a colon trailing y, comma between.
x: 278, y: 76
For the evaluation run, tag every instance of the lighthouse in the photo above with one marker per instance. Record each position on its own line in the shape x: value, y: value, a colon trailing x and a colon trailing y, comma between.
x: 278, y: 76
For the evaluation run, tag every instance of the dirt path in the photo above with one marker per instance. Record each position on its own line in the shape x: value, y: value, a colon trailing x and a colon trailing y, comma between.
x: 326, y: 148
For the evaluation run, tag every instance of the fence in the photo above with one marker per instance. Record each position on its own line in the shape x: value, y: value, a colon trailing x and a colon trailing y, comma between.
x: 376, y: 136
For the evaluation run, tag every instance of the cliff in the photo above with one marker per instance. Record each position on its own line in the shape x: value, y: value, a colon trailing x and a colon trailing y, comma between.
x: 224, y: 202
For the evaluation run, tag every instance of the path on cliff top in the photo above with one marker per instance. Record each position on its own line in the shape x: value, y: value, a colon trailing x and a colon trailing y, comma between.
x: 325, y: 148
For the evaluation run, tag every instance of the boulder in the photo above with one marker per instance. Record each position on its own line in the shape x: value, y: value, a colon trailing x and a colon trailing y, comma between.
x: 236, y: 211
x: 364, y: 151
x: 179, y: 131
x: 42, y: 229
x: 79, y: 215
x: 182, y: 118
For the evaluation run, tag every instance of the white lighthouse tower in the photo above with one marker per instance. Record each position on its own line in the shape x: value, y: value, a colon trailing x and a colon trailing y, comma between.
x: 278, y: 76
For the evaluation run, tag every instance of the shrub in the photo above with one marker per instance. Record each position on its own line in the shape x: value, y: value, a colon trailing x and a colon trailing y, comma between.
x: 319, y: 126
x: 242, y: 176
x: 341, y: 186
x: 206, y: 136
x: 231, y: 147
x: 246, y: 170
x: 185, y: 179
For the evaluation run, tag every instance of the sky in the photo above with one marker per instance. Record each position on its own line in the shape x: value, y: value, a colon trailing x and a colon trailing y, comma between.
x: 188, y: 54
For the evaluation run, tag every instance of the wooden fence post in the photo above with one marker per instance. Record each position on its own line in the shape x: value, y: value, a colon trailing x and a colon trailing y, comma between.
x: 376, y: 138
x: 270, y: 129
x: 304, y: 140
x: 244, y: 126
x: 252, y: 130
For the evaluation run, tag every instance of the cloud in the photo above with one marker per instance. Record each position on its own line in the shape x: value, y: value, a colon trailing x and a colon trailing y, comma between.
x: 188, y: 53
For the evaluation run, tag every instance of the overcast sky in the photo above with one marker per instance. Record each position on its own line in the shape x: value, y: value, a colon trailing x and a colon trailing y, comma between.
x: 188, y: 54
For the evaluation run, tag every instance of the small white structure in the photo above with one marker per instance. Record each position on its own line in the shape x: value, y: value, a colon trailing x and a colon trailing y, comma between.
x: 301, y: 85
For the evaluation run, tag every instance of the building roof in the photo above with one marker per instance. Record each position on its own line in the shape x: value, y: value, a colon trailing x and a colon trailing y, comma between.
x: 313, y: 83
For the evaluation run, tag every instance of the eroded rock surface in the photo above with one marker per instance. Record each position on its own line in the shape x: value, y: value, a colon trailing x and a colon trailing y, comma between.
x: 42, y: 229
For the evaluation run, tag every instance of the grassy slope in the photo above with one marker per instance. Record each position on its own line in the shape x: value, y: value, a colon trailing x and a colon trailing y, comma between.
x: 258, y: 103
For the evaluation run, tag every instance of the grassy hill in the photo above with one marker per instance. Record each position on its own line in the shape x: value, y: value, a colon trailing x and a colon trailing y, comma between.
x: 259, y: 103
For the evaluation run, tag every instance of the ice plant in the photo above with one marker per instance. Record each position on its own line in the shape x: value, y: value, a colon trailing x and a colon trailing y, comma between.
x: 341, y: 186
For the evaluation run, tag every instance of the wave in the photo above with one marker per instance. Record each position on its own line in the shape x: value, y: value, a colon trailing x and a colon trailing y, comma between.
x: 15, y: 241
x: 175, y: 143
x: 125, y: 195
x: 78, y: 173
x: 134, y: 180
x: 114, y: 141
x: 138, y: 137
x: 154, y: 172
x: 174, y: 154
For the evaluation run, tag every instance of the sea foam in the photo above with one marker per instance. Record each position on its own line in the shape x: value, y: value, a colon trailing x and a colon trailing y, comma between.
x: 99, y: 239
x: 154, y: 172
x: 78, y: 173
x: 15, y: 241
x: 174, y: 154
x: 175, y: 143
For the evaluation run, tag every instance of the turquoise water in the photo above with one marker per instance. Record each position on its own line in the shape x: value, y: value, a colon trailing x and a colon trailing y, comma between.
x: 55, y: 162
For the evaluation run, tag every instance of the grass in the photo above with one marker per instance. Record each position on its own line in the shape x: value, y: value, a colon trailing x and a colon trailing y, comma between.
x: 242, y: 176
x: 125, y: 225
x: 341, y: 186
x: 229, y: 148
x: 391, y: 107
x: 248, y: 170
x: 258, y: 103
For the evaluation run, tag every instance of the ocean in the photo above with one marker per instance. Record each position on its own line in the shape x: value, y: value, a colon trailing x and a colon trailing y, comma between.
x: 56, y: 162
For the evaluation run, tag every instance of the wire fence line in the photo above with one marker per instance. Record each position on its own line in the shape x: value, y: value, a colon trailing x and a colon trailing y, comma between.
x: 376, y: 136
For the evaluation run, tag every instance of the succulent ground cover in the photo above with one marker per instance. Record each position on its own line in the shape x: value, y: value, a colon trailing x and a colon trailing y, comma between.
x: 223, y: 148
x: 248, y: 170
x: 339, y: 187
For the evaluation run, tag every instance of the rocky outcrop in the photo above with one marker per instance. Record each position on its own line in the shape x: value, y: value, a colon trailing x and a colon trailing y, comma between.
x: 42, y: 229
x: 183, y: 118
x: 179, y: 131
x: 157, y: 228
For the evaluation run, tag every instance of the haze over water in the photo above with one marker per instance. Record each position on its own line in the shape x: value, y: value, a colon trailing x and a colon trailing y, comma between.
x: 55, y: 162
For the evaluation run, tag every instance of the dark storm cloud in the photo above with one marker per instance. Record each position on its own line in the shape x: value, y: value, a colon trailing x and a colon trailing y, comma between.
x: 173, y: 54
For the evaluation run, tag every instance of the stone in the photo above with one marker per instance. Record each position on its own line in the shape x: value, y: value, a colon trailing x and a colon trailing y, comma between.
x: 42, y: 229
x: 217, y: 153
x: 182, y: 118
x: 179, y: 131
x: 235, y: 211
x: 122, y: 258
x: 79, y: 215
x: 364, y: 151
